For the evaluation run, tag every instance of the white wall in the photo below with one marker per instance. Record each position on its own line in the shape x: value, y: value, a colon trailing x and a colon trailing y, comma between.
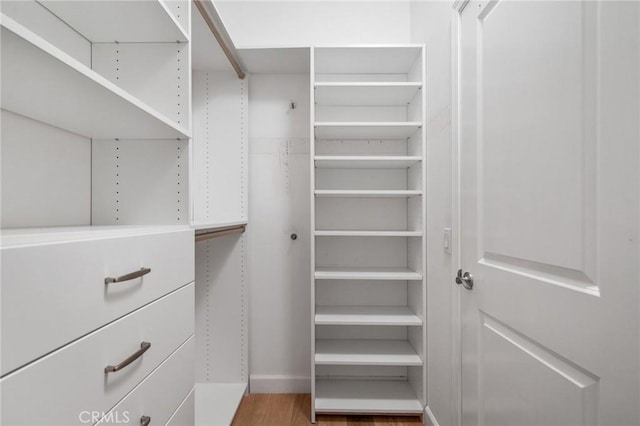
x: 306, y: 23
x: 279, y: 201
x: 431, y: 24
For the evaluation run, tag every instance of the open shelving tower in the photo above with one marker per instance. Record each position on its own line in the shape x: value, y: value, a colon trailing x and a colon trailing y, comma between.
x: 368, y: 251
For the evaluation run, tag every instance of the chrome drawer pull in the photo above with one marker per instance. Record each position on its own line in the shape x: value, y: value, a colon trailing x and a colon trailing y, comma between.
x: 144, y: 346
x: 145, y: 420
x: 127, y: 277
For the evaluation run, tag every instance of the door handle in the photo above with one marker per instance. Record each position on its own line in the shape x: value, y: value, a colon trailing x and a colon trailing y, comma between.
x: 465, y: 279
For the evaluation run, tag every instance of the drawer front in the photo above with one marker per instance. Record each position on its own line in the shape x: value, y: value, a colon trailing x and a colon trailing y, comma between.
x: 56, y: 389
x: 160, y: 394
x: 185, y: 415
x: 55, y: 293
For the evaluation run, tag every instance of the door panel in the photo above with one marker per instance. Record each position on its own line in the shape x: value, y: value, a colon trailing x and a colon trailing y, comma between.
x: 549, y: 212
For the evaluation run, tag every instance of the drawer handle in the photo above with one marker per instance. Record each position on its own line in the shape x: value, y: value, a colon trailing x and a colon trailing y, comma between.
x: 144, y: 346
x: 145, y: 420
x: 127, y: 277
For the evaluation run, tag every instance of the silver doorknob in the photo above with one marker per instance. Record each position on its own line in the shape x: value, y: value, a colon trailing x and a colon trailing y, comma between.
x: 465, y: 279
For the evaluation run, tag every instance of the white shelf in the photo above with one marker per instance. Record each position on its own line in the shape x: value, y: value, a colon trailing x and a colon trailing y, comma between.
x: 341, y: 93
x: 137, y: 21
x: 17, y: 237
x: 365, y: 161
x: 361, y: 233
x: 217, y: 403
x: 367, y: 193
x: 366, y: 396
x: 43, y: 83
x: 366, y: 352
x: 366, y: 273
x: 387, y: 59
x: 366, y: 315
x: 365, y: 130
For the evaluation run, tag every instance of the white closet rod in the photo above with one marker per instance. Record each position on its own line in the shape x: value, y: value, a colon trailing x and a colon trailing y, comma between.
x: 214, y: 22
x: 220, y: 233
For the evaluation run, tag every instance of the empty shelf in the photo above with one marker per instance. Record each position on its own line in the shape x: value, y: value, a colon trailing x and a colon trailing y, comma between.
x: 395, y: 93
x: 366, y: 396
x: 365, y: 130
x: 366, y: 273
x: 367, y: 193
x: 43, y: 83
x: 365, y: 162
x: 366, y: 315
x: 366, y: 352
x: 137, y: 21
x: 217, y: 403
x: 359, y: 233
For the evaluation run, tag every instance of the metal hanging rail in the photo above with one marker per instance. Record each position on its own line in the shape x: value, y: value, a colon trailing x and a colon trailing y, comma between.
x: 220, y: 232
x: 214, y: 22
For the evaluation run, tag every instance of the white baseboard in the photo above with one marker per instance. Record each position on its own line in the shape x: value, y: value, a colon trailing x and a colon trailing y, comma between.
x: 429, y: 418
x: 263, y: 383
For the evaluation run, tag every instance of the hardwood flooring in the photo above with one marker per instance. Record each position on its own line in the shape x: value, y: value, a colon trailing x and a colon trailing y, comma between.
x: 293, y: 410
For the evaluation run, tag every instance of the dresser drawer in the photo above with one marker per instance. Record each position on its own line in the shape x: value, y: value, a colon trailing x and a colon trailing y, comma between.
x: 56, y: 389
x: 54, y: 293
x: 160, y: 394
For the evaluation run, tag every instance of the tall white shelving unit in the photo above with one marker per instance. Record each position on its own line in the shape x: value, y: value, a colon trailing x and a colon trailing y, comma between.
x: 368, y: 220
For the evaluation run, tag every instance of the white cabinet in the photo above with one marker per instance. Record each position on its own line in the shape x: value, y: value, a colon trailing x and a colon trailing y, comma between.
x: 368, y: 218
x: 97, y: 252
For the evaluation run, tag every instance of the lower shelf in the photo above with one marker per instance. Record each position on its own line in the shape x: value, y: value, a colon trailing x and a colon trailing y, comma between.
x: 366, y: 396
x: 217, y: 403
x: 366, y: 352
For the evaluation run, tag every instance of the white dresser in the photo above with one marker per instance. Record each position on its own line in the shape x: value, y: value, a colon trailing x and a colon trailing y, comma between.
x: 69, y: 332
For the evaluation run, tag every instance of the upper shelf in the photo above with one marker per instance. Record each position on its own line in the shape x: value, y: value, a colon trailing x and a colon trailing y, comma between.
x: 368, y: 193
x: 366, y: 130
x: 41, y: 82
x: 359, y: 93
x: 107, y: 21
x: 388, y: 59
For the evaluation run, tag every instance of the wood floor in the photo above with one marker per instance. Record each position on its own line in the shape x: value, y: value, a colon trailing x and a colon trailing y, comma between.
x: 294, y: 409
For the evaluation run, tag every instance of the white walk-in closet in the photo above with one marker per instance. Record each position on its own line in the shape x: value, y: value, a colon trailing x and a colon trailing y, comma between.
x: 287, y: 213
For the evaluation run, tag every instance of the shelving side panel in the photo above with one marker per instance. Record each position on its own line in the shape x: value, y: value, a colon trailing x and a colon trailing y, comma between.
x: 415, y: 145
x: 220, y: 147
x: 156, y: 73
x: 138, y: 182
x: 46, y: 174
x: 312, y: 227
x: 32, y: 15
x: 221, y: 310
x: 181, y: 12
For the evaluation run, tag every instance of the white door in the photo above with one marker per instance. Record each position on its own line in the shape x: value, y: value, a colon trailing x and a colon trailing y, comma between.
x: 550, y: 212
